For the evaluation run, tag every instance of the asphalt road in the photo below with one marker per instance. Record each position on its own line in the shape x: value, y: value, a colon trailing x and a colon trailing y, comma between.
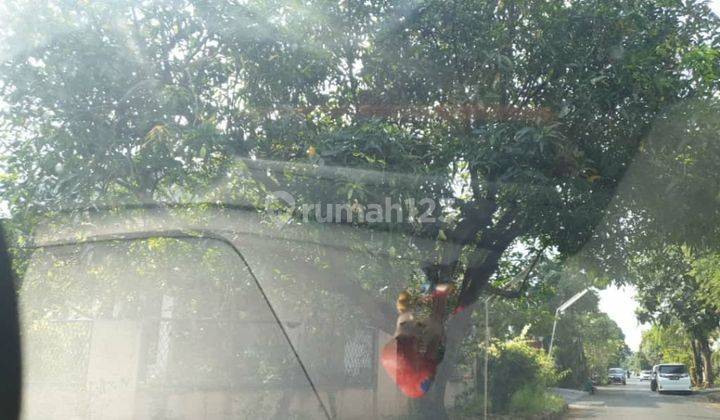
x: 636, y: 401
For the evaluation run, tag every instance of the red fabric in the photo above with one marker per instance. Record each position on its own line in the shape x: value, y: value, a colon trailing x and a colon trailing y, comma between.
x: 412, y: 371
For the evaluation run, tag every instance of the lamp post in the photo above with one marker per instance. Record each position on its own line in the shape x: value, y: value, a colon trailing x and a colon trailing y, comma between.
x: 562, y: 309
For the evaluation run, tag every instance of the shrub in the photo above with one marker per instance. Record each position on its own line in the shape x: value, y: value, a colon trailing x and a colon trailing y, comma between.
x: 519, y: 375
x: 516, y: 366
x: 531, y: 400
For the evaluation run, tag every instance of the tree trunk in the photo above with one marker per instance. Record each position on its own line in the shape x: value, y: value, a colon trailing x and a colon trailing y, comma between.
x: 432, y: 405
x: 697, y: 365
x: 706, y: 355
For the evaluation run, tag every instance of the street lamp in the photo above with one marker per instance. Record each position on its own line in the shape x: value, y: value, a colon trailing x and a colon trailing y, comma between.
x: 562, y: 309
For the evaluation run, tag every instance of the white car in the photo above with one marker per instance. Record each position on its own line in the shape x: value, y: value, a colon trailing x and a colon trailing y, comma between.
x: 646, y: 375
x: 671, y: 377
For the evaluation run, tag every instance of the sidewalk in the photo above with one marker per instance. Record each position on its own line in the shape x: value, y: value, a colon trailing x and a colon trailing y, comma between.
x: 569, y: 395
x: 711, y: 394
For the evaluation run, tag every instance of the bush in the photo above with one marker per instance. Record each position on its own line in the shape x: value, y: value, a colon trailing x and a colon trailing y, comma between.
x: 515, y: 366
x: 532, y: 400
x: 517, y: 384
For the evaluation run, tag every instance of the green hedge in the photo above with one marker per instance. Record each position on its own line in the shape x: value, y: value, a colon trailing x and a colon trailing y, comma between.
x: 517, y: 367
x: 519, y: 376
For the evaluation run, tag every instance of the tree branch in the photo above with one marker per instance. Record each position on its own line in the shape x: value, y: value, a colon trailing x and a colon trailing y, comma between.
x: 523, y: 287
x: 484, y: 264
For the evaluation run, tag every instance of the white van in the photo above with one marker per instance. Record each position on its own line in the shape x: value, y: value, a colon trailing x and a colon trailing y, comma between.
x: 672, y: 377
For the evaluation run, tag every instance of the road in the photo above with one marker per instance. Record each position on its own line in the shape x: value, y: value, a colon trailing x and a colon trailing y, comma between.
x: 636, y: 401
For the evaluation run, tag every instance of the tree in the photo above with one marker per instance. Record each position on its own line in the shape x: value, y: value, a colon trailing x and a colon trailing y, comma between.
x: 587, y: 341
x: 670, y: 344
x: 517, y: 118
x: 639, y: 361
x: 604, y: 344
x: 669, y: 294
x: 705, y: 269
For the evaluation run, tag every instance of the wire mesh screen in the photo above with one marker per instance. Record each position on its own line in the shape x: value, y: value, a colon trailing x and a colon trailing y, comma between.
x: 359, y: 358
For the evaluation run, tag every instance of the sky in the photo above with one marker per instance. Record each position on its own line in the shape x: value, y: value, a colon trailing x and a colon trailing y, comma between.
x: 620, y: 305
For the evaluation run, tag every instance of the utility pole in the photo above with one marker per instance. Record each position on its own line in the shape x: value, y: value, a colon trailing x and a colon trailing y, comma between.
x: 487, y: 358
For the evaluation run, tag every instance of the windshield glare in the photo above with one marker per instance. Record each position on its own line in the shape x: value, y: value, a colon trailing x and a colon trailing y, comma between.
x: 349, y: 209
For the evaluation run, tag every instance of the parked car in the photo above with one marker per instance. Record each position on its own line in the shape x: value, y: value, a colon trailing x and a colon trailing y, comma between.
x: 616, y: 376
x: 671, y: 377
x: 646, y: 375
